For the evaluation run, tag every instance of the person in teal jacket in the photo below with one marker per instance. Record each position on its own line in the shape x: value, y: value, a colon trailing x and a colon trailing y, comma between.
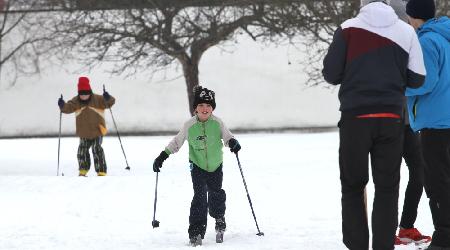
x: 204, y: 133
x: 428, y: 104
x: 429, y: 111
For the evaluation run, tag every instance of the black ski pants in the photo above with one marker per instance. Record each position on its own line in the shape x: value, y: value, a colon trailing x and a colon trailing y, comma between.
x: 382, y: 138
x: 84, y: 158
x: 413, y: 156
x: 208, y: 193
x: 436, y: 152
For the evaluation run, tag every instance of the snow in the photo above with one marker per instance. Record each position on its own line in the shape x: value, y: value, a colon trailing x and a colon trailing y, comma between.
x: 293, y: 180
x: 255, y: 88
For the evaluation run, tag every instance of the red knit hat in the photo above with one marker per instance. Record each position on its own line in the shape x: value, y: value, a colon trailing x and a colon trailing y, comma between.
x: 83, y: 85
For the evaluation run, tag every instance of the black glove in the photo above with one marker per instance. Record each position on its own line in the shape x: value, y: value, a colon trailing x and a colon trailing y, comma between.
x: 61, y: 102
x: 157, y: 164
x: 234, y: 145
x: 106, y: 95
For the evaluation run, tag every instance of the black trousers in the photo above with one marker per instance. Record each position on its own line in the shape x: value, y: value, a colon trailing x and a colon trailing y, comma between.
x: 413, y: 156
x: 382, y: 138
x: 436, y: 152
x: 208, y: 193
x: 84, y: 158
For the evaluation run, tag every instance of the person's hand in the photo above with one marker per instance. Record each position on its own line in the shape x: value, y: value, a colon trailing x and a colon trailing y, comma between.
x: 106, y: 95
x: 157, y: 164
x: 61, y: 102
x: 234, y: 145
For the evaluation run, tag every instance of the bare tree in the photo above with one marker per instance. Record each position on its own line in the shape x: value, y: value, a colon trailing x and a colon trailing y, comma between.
x: 443, y: 8
x: 318, y: 21
x: 153, y: 38
x: 323, y: 19
x: 148, y: 35
x: 21, y: 42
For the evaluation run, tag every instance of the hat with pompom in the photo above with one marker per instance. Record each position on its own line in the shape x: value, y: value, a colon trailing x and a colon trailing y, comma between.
x: 204, y: 95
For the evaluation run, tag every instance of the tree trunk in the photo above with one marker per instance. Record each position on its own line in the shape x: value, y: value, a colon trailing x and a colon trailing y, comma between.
x: 190, y: 70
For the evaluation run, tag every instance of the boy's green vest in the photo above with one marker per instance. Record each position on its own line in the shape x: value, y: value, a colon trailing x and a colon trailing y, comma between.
x: 205, y: 142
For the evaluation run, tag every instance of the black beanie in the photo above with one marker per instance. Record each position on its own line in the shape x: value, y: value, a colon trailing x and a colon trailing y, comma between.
x: 421, y: 9
x: 204, y: 95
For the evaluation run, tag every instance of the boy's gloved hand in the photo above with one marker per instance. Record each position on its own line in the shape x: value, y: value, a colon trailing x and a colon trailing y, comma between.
x: 61, y: 102
x: 106, y: 95
x: 157, y: 164
x: 234, y: 145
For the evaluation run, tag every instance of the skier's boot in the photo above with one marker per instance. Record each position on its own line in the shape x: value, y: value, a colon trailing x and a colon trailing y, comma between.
x: 412, y: 235
x: 220, y: 229
x: 195, y: 240
x: 101, y: 174
x: 83, y: 172
x: 196, y: 234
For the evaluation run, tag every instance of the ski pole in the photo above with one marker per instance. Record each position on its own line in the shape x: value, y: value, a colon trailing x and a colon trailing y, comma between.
x: 248, y: 196
x: 155, y: 223
x: 118, y: 135
x: 59, y: 139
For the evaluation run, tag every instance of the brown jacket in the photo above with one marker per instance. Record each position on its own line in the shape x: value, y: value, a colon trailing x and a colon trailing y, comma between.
x: 90, y: 117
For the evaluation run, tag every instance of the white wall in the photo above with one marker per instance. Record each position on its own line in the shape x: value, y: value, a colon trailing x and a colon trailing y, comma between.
x: 255, y: 88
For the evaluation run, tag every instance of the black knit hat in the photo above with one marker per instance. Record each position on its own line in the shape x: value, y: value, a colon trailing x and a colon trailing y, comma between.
x: 204, y: 95
x: 421, y: 9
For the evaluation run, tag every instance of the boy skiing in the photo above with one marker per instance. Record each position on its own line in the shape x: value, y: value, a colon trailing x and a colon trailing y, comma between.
x: 90, y: 125
x: 204, y: 133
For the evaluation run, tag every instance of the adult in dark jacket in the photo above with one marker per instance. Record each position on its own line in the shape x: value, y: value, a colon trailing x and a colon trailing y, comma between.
x: 373, y: 56
x: 429, y: 113
x: 90, y: 125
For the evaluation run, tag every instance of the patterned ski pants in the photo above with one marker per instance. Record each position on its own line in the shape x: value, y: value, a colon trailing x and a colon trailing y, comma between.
x: 84, y: 159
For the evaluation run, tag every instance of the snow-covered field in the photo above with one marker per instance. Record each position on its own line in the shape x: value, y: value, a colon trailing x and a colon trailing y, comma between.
x: 292, y: 178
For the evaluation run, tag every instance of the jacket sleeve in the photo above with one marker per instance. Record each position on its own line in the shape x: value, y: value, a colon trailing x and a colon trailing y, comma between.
x: 431, y: 58
x: 335, y: 60
x: 416, y: 67
x: 71, y: 106
x: 226, y: 133
x: 177, y: 142
x: 101, y: 103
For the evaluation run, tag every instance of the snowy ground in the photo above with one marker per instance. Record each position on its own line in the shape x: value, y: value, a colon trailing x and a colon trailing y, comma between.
x: 292, y: 178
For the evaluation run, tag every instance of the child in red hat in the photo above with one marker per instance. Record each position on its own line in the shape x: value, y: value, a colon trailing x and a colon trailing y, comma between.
x: 90, y: 124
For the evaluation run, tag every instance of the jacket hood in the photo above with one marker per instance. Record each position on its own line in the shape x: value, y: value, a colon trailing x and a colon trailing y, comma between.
x: 378, y: 14
x: 438, y: 25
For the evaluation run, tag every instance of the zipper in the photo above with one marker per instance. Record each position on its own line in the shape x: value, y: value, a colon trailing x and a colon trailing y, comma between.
x: 415, y: 108
x: 206, y: 146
